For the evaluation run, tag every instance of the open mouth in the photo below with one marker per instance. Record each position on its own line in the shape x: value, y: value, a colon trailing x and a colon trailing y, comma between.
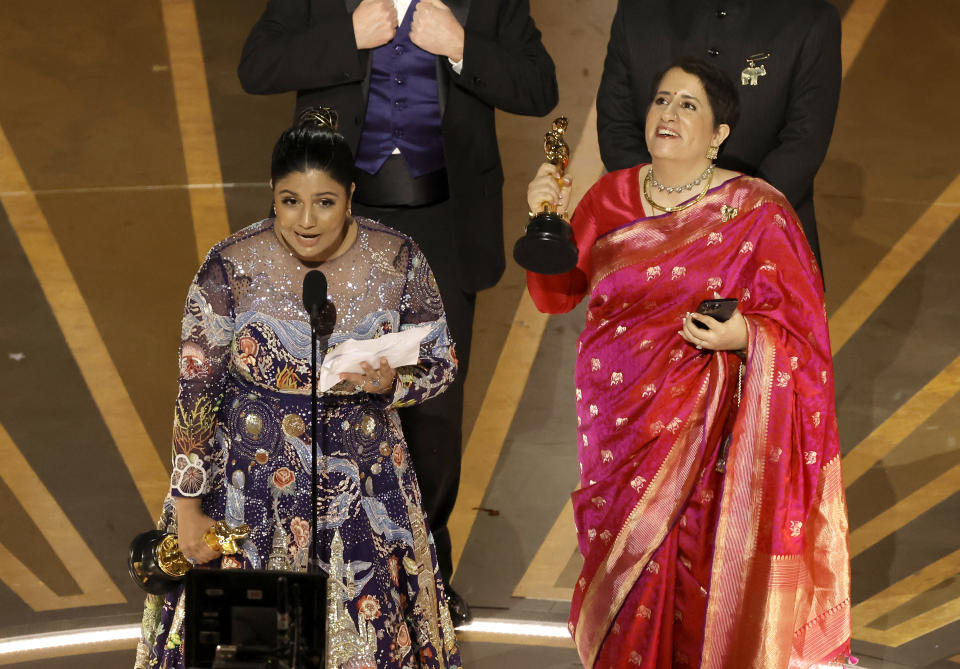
x: 307, y: 237
x: 666, y: 132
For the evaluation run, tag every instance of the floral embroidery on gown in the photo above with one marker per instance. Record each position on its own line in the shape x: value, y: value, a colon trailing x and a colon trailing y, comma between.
x: 242, y: 440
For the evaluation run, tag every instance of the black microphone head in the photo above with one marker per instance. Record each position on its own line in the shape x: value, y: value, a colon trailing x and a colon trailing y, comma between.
x: 314, y: 291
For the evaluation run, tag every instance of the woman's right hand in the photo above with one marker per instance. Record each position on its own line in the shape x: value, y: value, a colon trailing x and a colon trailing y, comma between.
x: 550, y: 188
x: 192, y: 523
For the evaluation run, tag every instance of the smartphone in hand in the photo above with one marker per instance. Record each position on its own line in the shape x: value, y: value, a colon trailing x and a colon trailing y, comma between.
x: 721, y: 309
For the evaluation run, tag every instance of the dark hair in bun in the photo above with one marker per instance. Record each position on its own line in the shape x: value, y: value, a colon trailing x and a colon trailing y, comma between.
x: 313, y: 143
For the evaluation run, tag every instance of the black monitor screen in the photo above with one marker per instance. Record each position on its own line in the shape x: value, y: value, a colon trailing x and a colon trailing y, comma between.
x: 238, y: 607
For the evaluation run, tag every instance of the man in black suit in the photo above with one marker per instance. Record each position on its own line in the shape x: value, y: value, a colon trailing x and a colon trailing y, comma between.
x: 784, y: 56
x: 416, y: 83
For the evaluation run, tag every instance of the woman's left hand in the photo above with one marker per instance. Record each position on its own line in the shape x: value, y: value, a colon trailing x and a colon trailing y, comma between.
x: 375, y: 381
x: 731, y: 335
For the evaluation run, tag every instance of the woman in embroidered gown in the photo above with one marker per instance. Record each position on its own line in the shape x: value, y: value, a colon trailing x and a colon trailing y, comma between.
x: 241, y: 432
x: 710, y: 512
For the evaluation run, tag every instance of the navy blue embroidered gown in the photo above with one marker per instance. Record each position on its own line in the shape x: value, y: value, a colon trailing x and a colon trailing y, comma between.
x: 242, y: 442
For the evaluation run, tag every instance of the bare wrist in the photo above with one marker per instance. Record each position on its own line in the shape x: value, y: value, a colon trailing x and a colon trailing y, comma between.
x: 188, y: 506
x: 456, y: 54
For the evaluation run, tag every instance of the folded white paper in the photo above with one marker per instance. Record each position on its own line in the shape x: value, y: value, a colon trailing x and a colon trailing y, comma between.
x: 399, y: 348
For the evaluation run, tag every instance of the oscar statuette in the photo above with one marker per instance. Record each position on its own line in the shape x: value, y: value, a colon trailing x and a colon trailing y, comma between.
x: 158, y: 565
x: 547, y: 246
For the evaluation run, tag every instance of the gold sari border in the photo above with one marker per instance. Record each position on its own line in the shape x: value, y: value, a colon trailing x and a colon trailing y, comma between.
x: 829, y: 626
x: 735, y: 544
x: 831, y: 643
x: 774, y: 610
x: 647, y: 524
x: 649, y: 517
x: 651, y: 237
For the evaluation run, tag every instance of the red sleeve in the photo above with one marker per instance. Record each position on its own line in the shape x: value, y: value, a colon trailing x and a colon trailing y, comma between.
x: 559, y: 293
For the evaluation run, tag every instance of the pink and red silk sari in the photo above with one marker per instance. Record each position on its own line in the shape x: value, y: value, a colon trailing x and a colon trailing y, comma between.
x: 711, y: 512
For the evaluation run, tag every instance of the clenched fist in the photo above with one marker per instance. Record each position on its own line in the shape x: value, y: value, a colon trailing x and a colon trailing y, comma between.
x: 374, y: 23
x: 549, y: 188
x: 192, y: 523
x: 435, y: 29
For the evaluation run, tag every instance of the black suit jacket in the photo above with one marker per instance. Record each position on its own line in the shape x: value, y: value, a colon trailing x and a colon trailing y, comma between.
x: 785, y: 121
x: 308, y: 46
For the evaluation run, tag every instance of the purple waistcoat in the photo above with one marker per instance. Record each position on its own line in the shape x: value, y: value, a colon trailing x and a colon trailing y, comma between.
x: 403, y: 110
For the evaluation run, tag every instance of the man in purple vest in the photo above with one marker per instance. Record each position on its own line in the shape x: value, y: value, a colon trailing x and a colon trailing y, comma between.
x: 416, y: 83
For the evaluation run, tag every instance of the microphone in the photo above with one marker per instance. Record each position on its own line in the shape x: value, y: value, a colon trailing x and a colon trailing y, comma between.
x: 323, y: 318
x: 314, y: 292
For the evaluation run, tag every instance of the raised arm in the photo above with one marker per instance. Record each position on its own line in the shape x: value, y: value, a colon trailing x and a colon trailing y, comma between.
x: 511, y: 70
x: 559, y: 293
x: 299, y: 44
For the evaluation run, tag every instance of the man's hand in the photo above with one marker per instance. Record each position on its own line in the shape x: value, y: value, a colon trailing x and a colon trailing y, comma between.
x: 374, y: 23
x: 436, y: 30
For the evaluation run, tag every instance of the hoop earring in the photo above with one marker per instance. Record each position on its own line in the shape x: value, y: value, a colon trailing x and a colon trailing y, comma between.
x: 712, y: 152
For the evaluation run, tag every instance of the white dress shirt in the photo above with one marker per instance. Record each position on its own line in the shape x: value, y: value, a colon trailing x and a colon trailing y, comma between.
x: 402, y: 7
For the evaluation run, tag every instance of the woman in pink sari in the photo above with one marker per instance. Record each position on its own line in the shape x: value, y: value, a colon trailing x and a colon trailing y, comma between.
x: 711, y: 512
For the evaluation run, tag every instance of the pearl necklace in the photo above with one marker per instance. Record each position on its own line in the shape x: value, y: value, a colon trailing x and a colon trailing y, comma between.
x: 680, y: 207
x: 676, y: 189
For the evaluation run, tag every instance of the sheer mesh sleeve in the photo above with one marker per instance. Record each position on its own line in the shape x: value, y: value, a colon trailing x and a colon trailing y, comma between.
x: 421, y: 306
x: 206, y: 334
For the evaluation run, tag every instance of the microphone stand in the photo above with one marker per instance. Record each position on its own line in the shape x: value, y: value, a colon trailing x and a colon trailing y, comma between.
x: 313, y: 562
x: 323, y: 319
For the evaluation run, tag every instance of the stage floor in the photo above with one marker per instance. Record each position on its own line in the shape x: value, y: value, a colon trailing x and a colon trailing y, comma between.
x: 127, y: 146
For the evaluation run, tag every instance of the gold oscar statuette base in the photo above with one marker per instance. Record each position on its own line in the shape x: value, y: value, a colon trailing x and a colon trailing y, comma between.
x: 548, y: 245
x: 157, y: 565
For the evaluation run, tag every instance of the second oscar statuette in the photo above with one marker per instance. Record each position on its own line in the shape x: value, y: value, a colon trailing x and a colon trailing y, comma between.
x: 548, y: 246
x: 157, y: 564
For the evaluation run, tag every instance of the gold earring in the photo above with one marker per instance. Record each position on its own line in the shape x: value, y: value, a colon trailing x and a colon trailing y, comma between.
x: 712, y: 152
x: 273, y: 210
